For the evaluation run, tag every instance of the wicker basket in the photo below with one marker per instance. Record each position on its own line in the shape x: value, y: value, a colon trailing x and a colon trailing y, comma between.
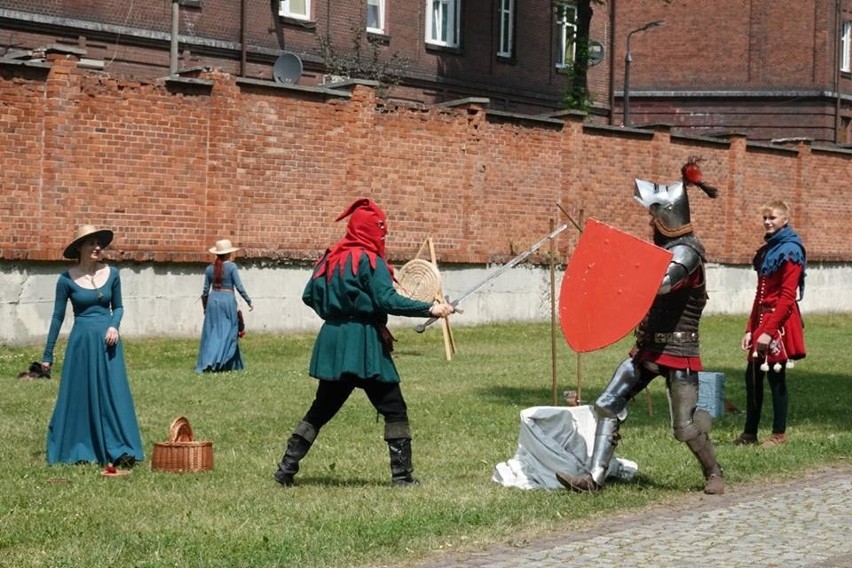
x: 181, y: 453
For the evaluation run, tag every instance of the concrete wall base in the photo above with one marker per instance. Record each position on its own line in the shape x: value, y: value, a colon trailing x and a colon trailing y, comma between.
x: 164, y: 300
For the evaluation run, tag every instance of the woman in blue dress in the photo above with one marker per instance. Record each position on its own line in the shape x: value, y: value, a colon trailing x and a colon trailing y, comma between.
x: 94, y: 419
x: 220, y: 346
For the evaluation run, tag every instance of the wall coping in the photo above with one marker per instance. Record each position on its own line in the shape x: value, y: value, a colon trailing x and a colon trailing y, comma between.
x: 327, y: 91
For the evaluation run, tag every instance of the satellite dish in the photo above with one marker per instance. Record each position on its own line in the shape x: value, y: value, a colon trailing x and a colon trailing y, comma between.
x: 287, y: 68
x: 596, y: 53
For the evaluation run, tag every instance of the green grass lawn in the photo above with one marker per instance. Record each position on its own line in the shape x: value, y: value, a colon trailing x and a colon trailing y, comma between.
x: 343, y: 512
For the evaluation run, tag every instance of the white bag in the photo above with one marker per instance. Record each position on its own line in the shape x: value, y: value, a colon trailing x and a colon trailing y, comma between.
x: 551, y: 439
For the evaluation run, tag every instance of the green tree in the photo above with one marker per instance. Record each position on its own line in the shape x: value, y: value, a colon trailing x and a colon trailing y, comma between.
x: 578, y: 96
x: 364, y: 59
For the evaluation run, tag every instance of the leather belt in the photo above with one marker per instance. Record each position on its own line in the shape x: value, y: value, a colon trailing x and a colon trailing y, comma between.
x: 676, y: 337
x: 766, y: 309
x: 217, y: 289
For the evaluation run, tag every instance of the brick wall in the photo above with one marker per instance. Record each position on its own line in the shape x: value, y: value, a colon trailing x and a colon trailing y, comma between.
x: 172, y: 168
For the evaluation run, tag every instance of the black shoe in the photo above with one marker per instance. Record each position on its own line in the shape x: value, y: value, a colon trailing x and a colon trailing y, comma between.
x: 125, y: 462
x: 406, y: 481
x: 284, y: 478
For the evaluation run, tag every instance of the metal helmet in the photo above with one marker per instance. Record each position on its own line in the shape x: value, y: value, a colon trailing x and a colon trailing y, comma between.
x: 668, y: 204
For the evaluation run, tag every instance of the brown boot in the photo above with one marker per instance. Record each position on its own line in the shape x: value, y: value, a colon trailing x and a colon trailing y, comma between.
x: 714, y: 484
x: 774, y: 441
x: 703, y: 449
x: 582, y: 483
x: 745, y: 440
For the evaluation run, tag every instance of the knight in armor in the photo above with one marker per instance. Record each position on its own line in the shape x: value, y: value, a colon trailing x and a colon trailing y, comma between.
x: 667, y: 341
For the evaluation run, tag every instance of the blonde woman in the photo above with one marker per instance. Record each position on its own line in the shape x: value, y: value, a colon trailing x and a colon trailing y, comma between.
x: 774, y: 335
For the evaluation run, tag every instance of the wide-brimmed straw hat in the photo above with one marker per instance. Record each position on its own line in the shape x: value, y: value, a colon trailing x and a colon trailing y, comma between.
x: 104, y: 236
x: 223, y: 247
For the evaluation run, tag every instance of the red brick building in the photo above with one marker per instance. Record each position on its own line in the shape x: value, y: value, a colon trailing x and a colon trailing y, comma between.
x: 767, y: 69
x: 770, y: 69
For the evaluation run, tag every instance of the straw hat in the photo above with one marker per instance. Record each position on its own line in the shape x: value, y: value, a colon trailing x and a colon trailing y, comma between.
x: 104, y: 236
x: 223, y: 247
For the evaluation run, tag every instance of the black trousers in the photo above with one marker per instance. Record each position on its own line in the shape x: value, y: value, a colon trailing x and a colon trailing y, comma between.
x: 754, y: 397
x: 331, y: 395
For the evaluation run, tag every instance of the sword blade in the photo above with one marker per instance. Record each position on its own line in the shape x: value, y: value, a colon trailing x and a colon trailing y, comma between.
x: 509, y: 265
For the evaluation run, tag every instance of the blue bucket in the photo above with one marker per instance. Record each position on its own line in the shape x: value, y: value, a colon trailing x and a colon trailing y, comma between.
x: 711, y: 393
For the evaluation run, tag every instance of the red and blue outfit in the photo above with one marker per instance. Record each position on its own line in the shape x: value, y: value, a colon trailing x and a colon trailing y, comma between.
x: 781, y: 264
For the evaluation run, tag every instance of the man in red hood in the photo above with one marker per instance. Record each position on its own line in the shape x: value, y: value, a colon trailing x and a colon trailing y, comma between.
x: 352, y: 290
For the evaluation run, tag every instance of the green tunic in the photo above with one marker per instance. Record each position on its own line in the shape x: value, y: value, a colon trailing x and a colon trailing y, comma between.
x: 355, y: 309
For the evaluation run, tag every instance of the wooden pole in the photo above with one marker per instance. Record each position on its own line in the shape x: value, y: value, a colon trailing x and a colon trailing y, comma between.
x: 449, y: 343
x: 554, y: 381
x: 580, y: 355
x: 648, y: 399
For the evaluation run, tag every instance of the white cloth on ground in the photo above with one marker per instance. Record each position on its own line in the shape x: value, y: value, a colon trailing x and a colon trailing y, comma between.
x: 551, y: 439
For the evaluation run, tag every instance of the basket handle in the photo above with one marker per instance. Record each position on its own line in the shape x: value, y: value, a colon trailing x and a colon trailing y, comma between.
x: 180, y: 430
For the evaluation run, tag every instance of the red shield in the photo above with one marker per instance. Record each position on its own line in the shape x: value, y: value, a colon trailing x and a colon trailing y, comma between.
x: 609, y: 285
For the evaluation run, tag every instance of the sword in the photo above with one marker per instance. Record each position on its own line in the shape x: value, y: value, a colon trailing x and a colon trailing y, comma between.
x: 511, y: 264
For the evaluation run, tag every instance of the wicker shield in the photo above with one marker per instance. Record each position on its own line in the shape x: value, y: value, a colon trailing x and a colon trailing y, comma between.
x: 419, y: 280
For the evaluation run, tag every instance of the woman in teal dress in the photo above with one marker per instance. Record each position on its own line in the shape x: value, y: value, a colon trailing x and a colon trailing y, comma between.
x: 352, y: 290
x: 220, y: 346
x: 94, y: 419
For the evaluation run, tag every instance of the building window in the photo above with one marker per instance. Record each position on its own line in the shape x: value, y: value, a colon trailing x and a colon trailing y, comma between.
x: 566, y: 23
x: 846, y: 47
x: 442, y: 22
x: 507, y: 28
x: 298, y: 9
x: 376, y: 16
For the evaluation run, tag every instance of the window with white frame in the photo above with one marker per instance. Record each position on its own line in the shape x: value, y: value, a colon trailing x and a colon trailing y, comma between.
x: 507, y: 28
x: 566, y: 23
x: 376, y: 16
x: 846, y: 47
x: 298, y: 9
x: 442, y: 22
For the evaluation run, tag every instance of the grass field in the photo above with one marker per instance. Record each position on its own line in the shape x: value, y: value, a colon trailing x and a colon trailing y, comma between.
x: 343, y: 512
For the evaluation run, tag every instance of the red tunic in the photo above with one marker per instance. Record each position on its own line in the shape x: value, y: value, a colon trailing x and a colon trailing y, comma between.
x: 776, y: 312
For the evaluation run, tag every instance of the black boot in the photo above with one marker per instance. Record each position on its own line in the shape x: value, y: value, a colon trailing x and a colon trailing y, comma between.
x: 398, y: 437
x: 297, y: 447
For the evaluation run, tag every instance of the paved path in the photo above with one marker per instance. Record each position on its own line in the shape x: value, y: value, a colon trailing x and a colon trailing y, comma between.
x: 799, y: 523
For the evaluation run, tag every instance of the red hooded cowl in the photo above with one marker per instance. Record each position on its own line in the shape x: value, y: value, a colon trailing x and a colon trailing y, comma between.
x: 365, y: 234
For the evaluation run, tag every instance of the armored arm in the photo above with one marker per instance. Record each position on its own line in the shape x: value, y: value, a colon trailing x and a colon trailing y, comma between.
x: 684, y: 261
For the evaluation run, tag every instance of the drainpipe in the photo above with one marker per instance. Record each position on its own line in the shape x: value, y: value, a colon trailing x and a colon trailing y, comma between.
x: 838, y: 29
x: 243, y: 38
x: 173, y: 59
x: 612, y: 9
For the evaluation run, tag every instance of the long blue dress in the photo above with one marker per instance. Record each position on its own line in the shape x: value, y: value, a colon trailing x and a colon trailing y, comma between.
x: 220, y: 347
x: 94, y: 419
